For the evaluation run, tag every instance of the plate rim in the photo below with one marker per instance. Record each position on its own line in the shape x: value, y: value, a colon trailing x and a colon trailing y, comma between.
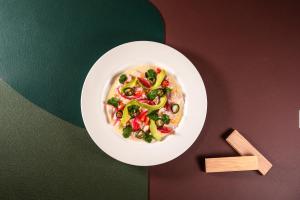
x: 83, y: 92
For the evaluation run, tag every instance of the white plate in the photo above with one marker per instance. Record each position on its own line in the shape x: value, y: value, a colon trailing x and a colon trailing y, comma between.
x: 96, y: 86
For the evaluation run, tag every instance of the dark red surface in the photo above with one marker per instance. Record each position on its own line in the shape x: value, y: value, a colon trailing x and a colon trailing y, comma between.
x: 248, y: 53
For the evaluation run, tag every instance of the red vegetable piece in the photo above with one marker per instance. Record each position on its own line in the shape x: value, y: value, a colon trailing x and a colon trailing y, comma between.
x: 165, y: 83
x: 144, y: 82
x: 165, y: 129
x: 167, y: 106
x: 138, y: 94
x: 158, y: 70
x: 147, y: 101
x: 135, y: 124
x: 147, y: 120
x: 121, y: 106
x: 142, y: 116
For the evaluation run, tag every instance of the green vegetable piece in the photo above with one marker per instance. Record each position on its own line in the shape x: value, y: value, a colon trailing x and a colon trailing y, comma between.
x: 153, y: 115
x: 167, y: 90
x: 119, y: 114
x: 122, y: 78
x: 147, y: 137
x: 150, y: 74
x: 165, y: 118
x: 162, y: 102
x: 126, y: 116
x: 155, y: 133
x: 175, y: 108
x: 128, y: 91
x: 140, y: 134
x: 133, y: 110
x: 127, y: 131
x: 160, y: 92
x: 113, y: 101
x: 159, y: 123
x: 160, y: 77
x: 152, y: 94
x: 130, y: 84
x: 152, y: 80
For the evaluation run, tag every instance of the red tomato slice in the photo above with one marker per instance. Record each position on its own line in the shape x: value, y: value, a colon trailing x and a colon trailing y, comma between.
x: 137, y: 95
x: 158, y: 70
x: 142, y: 116
x: 165, y: 130
x: 135, y: 124
x: 165, y: 83
x: 144, y: 82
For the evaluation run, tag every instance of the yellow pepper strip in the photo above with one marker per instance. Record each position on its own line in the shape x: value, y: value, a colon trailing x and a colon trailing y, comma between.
x: 155, y: 133
x: 159, y: 78
x: 130, y: 84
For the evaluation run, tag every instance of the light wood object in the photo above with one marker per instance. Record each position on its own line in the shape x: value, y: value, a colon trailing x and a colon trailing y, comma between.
x: 230, y: 164
x: 243, y: 147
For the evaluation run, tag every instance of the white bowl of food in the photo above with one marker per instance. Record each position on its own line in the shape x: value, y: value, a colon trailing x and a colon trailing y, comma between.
x: 143, y: 103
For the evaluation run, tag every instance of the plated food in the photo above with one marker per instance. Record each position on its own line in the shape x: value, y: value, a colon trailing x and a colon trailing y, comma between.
x: 145, y: 103
x: 117, y: 68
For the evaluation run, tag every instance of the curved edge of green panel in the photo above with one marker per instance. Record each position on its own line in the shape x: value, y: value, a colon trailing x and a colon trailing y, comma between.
x: 47, y: 47
x: 48, y: 158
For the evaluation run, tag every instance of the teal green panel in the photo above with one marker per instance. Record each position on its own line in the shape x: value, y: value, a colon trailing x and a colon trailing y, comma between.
x: 46, y: 158
x: 47, y: 47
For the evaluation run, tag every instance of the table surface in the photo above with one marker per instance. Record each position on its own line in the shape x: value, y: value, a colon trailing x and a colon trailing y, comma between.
x: 46, y: 49
x: 248, y: 53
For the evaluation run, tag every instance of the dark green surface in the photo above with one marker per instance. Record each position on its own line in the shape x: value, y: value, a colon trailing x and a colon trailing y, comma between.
x: 47, y: 47
x: 44, y: 157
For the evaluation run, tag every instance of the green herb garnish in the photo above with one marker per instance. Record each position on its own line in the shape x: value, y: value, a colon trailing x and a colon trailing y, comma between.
x: 122, y: 78
x: 113, y: 101
x: 153, y: 115
x: 147, y: 137
x: 152, y: 94
x: 167, y: 90
x: 127, y: 131
x: 157, y: 92
x: 165, y: 118
x: 150, y: 74
x: 133, y: 110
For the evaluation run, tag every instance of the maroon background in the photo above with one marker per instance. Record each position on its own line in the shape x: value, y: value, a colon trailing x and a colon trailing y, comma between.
x: 248, y: 53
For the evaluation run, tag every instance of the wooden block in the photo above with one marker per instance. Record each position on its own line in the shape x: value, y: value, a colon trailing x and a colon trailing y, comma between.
x: 243, y: 147
x: 230, y: 164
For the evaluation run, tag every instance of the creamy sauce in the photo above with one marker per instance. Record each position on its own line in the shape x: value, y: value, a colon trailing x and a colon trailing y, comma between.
x: 176, y: 96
